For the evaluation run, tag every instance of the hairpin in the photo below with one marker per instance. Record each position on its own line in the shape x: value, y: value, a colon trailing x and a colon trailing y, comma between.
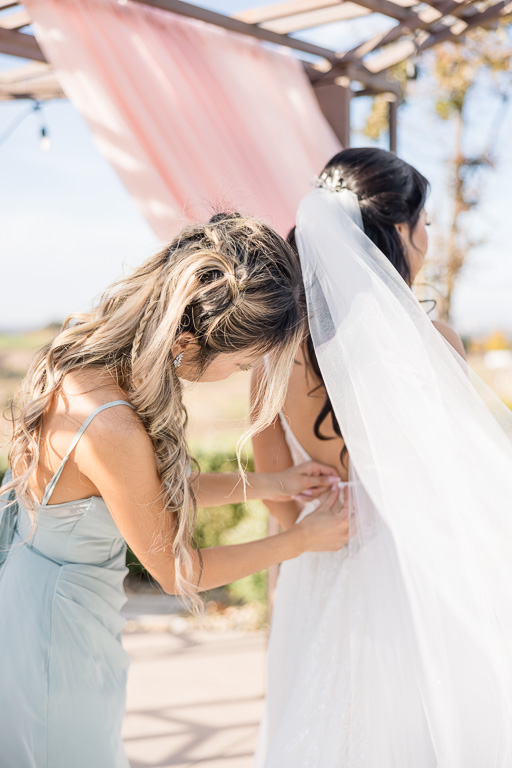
x: 331, y: 180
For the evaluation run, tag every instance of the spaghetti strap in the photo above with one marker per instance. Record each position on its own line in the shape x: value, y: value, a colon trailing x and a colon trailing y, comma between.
x: 53, y: 482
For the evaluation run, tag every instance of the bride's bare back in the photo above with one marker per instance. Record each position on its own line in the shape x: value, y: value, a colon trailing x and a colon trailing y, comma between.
x: 304, y: 400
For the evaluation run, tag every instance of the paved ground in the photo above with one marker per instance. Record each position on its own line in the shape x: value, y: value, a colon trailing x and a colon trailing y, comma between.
x: 194, y: 697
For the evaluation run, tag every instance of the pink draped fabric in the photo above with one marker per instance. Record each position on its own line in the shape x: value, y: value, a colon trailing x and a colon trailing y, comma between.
x: 193, y: 118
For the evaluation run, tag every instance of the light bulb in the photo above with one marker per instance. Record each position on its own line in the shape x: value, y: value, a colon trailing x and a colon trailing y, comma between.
x: 44, y: 141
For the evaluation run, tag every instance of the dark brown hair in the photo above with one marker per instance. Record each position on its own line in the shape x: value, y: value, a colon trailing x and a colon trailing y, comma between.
x: 390, y: 191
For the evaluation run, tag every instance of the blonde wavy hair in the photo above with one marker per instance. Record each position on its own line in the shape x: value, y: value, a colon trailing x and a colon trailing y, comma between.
x: 236, y: 286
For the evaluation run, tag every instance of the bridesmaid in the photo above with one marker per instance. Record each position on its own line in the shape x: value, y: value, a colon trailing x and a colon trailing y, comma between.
x: 100, y: 434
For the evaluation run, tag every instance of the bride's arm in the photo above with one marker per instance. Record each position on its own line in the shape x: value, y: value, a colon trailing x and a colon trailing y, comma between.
x: 451, y: 336
x: 271, y: 454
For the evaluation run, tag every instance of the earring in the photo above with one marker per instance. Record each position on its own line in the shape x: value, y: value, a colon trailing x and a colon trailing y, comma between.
x: 177, y: 360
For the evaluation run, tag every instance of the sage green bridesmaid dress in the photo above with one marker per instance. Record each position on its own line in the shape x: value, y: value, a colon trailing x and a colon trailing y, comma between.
x: 63, y: 668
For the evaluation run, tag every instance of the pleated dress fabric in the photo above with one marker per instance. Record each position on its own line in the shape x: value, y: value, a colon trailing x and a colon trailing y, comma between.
x: 63, y: 668
x: 305, y: 715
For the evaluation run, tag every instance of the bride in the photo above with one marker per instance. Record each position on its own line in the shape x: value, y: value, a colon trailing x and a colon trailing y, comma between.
x: 395, y: 652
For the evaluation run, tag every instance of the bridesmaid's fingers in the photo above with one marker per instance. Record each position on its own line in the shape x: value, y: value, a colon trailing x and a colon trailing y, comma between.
x: 318, y: 469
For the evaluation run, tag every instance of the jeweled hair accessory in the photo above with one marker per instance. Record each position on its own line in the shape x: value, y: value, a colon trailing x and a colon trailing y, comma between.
x: 332, y: 181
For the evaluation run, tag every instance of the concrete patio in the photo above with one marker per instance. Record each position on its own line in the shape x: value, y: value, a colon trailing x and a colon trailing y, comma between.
x: 194, y: 697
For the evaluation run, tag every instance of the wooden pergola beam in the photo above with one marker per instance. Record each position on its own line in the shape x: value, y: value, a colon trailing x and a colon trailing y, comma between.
x: 371, y: 80
x: 317, y: 18
x: 358, y: 71
x: 445, y: 7
x: 490, y: 14
x: 264, y: 13
x: 334, y: 101
x: 383, y: 38
x: 15, y: 20
x: 454, y: 32
x: 26, y: 46
x: 406, y: 46
x: 235, y: 25
x: 20, y: 44
x: 354, y: 72
x: 394, y: 11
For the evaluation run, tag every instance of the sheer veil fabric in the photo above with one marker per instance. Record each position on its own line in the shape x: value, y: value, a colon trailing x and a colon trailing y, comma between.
x: 428, y: 626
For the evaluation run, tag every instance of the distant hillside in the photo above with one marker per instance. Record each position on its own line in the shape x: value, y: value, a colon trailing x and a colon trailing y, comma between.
x: 216, y: 413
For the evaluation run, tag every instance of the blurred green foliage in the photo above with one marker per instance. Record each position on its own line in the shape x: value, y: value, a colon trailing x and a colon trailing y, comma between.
x: 28, y: 340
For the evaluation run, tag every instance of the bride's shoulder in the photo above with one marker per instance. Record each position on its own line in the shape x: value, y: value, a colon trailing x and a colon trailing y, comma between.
x: 451, y: 336
x: 305, y: 388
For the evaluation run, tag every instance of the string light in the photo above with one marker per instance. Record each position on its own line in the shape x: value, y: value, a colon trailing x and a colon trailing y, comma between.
x: 44, y: 141
x: 44, y: 138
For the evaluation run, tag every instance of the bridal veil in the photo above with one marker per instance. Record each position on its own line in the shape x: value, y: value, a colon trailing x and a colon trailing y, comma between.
x: 429, y: 621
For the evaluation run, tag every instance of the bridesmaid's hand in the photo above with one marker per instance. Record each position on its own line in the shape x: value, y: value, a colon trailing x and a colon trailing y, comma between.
x: 304, y: 482
x: 328, y: 528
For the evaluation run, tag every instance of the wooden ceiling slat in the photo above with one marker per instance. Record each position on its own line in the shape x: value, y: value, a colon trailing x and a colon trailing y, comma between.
x: 338, y: 12
x: 407, y: 3
x: 235, y: 25
x: 490, y: 14
x: 15, y: 20
x: 20, y: 44
x: 433, y: 3
x: 454, y: 7
x: 33, y: 70
x: 49, y: 82
x: 391, y: 55
x: 430, y: 14
x: 264, y: 13
x: 448, y: 32
x: 387, y: 8
x: 383, y: 38
x: 354, y: 72
x: 38, y: 91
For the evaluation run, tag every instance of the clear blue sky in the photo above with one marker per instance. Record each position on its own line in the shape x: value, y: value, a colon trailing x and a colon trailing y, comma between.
x: 68, y: 226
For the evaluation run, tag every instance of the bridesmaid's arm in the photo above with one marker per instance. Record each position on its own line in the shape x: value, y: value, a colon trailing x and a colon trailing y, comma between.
x: 311, y: 479
x: 117, y: 456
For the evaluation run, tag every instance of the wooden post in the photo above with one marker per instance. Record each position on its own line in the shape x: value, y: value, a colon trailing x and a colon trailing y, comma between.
x: 334, y: 101
x: 393, y: 123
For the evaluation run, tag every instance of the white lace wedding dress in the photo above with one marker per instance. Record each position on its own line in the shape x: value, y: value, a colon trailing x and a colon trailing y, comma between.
x: 309, y: 658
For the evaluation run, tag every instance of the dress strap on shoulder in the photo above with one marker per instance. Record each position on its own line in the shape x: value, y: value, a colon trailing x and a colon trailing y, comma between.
x: 53, y: 482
